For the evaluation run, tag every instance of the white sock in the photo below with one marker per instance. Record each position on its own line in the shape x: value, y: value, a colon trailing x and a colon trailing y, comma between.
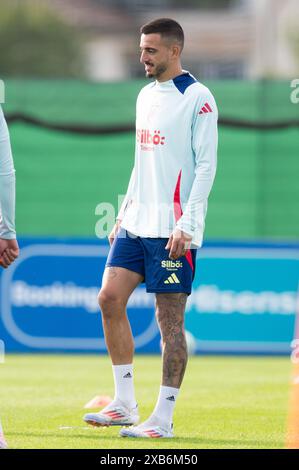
x: 124, y: 384
x: 165, y: 405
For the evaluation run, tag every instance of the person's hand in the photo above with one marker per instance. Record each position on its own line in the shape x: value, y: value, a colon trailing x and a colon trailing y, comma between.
x: 114, y: 232
x: 9, y: 251
x: 179, y: 242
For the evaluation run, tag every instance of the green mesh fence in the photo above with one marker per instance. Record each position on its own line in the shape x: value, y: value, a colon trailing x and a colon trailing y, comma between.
x: 61, y: 177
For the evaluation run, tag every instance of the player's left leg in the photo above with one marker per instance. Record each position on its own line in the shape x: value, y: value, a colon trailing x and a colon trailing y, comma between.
x: 3, y: 443
x: 170, y: 312
x: 171, y: 281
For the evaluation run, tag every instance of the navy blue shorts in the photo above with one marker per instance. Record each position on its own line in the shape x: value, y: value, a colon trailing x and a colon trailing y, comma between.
x: 148, y: 257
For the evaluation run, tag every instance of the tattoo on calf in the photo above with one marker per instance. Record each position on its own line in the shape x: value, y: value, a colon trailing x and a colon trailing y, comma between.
x: 170, y: 310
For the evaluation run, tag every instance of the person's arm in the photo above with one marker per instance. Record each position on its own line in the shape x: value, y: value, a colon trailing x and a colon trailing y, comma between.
x: 204, y: 145
x: 8, y: 245
x: 7, y: 184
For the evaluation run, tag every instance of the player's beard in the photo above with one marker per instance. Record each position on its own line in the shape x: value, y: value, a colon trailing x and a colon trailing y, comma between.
x: 160, y: 69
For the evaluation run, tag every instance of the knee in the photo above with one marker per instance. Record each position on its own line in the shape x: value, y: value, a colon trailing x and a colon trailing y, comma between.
x: 162, y: 322
x: 108, y: 301
x: 159, y: 316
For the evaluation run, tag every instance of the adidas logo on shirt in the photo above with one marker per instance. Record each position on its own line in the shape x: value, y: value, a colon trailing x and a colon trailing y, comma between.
x: 173, y: 279
x: 171, y: 398
x: 127, y: 376
x: 205, y: 109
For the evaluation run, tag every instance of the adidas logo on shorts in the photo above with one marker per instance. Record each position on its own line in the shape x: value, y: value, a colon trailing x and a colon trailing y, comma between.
x: 173, y: 279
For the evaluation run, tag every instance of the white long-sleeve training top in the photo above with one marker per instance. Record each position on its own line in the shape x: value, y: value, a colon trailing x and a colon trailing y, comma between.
x: 7, y: 184
x: 175, y: 160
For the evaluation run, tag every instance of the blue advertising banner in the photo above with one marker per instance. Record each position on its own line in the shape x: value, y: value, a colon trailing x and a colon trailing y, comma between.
x: 49, y: 300
x: 244, y: 299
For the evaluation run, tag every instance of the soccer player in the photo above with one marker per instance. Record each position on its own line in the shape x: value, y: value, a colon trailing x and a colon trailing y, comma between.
x: 160, y: 225
x: 9, y: 249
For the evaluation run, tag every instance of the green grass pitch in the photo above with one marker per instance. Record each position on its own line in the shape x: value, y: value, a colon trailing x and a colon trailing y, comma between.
x: 225, y: 402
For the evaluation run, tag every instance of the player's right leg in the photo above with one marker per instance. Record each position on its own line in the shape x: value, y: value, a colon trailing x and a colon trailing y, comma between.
x: 118, y: 285
x: 122, y: 275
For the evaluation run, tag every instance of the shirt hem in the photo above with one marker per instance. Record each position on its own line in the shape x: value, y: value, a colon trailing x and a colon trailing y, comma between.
x: 194, y: 245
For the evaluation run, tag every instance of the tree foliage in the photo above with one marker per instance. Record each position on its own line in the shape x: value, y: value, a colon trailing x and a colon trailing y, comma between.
x: 36, y: 42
